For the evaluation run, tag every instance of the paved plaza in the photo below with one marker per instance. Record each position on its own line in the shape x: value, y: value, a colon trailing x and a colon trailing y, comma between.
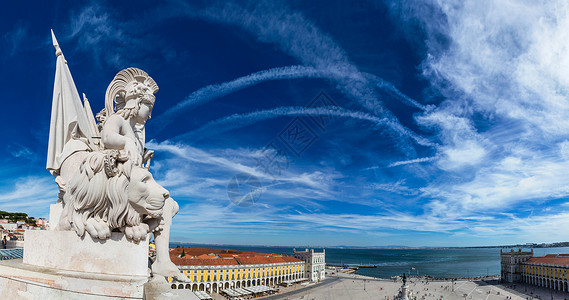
x: 354, y: 287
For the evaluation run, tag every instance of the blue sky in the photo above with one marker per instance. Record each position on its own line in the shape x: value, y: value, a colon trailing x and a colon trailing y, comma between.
x: 369, y: 123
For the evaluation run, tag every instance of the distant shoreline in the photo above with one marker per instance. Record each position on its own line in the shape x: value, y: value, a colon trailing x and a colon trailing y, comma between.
x: 527, y: 246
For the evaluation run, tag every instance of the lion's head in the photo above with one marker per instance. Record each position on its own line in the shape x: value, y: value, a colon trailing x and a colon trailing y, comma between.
x: 115, y: 192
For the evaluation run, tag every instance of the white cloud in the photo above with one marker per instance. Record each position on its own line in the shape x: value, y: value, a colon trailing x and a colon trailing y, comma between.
x: 462, y: 145
x: 192, y: 173
x: 503, y: 126
x: 95, y: 29
x: 29, y: 194
x: 16, y: 37
x: 18, y: 151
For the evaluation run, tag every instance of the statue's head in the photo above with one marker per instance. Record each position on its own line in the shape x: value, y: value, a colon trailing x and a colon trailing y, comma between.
x: 131, y: 93
x: 145, y: 195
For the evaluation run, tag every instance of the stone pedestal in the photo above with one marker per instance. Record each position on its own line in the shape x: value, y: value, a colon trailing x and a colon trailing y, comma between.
x: 23, y: 281
x: 404, y: 292
x: 64, y: 250
x: 61, y: 265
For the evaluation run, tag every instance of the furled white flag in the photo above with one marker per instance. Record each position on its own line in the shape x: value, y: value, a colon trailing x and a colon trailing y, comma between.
x: 70, y: 128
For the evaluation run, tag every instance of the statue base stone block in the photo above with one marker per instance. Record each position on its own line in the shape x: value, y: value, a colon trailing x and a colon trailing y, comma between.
x: 64, y: 250
x: 61, y: 265
x: 23, y: 281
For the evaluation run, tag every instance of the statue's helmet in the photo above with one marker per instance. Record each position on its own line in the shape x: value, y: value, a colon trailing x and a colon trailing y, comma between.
x: 125, y: 89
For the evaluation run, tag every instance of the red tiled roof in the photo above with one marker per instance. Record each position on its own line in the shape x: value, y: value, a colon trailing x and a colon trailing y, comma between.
x: 276, y: 259
x: 224, y: 255
x: 204, y: 256
x: 184, y: 261
x: 200, y: 251
x: 291, y: 259
x: 255, y: 260
x: 550, y: 259
x: 248, y: 260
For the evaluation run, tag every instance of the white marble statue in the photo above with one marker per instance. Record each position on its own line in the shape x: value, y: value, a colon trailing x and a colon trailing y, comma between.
x: 102, y: 170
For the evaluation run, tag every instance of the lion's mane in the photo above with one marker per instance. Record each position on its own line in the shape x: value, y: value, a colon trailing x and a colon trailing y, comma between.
x: 93, y: 193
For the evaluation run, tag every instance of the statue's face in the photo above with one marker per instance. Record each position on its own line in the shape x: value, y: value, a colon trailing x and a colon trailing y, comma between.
x: 144, y: 96
x: 144, y: 194
x: 144, y: 112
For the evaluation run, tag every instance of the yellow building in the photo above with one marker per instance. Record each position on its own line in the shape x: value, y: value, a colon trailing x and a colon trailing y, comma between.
x: 213, y: 270
x: 550, y: 271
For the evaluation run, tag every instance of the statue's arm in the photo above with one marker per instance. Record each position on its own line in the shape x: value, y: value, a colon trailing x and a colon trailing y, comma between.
x: 114, y: 137
x: 111, y: 134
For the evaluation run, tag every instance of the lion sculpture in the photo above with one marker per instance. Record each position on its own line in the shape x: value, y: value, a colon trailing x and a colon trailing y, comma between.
x: 104, y: 192
x: 107, y: 192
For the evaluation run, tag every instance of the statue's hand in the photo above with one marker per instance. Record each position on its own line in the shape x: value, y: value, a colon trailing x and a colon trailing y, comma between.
x: 137, y: 233
x: 132, y: 152
x: 148, y: 154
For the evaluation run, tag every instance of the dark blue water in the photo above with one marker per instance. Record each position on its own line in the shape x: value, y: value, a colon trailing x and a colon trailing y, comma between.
x: 439, y: 263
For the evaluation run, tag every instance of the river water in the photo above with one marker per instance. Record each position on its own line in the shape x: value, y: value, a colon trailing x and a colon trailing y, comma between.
x: 435, y: 262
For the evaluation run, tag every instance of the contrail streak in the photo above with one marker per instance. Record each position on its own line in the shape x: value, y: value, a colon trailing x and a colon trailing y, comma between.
x: 389, y: 87
x: 214, y: 91
x: 412, y: 161
x: 241, y: 120
x: 299, y: 37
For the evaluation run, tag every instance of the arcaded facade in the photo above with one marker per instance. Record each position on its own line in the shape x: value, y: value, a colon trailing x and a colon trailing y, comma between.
x: 213, y: 270
x: 550, y: 271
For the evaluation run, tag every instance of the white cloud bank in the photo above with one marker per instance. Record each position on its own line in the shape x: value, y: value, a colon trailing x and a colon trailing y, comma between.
x: 504, y: 70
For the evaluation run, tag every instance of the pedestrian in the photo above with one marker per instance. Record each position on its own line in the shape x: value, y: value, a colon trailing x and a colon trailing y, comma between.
x: 4, y: 242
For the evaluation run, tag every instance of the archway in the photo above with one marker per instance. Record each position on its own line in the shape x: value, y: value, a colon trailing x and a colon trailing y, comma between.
x: 180, y: 286
x: 238, y: 284
x: 174, y: 286
x: 227, y: 285
x: 188, y: 286
x: 214, y: 287
x: 195, y: 287
x: 202, y: 287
